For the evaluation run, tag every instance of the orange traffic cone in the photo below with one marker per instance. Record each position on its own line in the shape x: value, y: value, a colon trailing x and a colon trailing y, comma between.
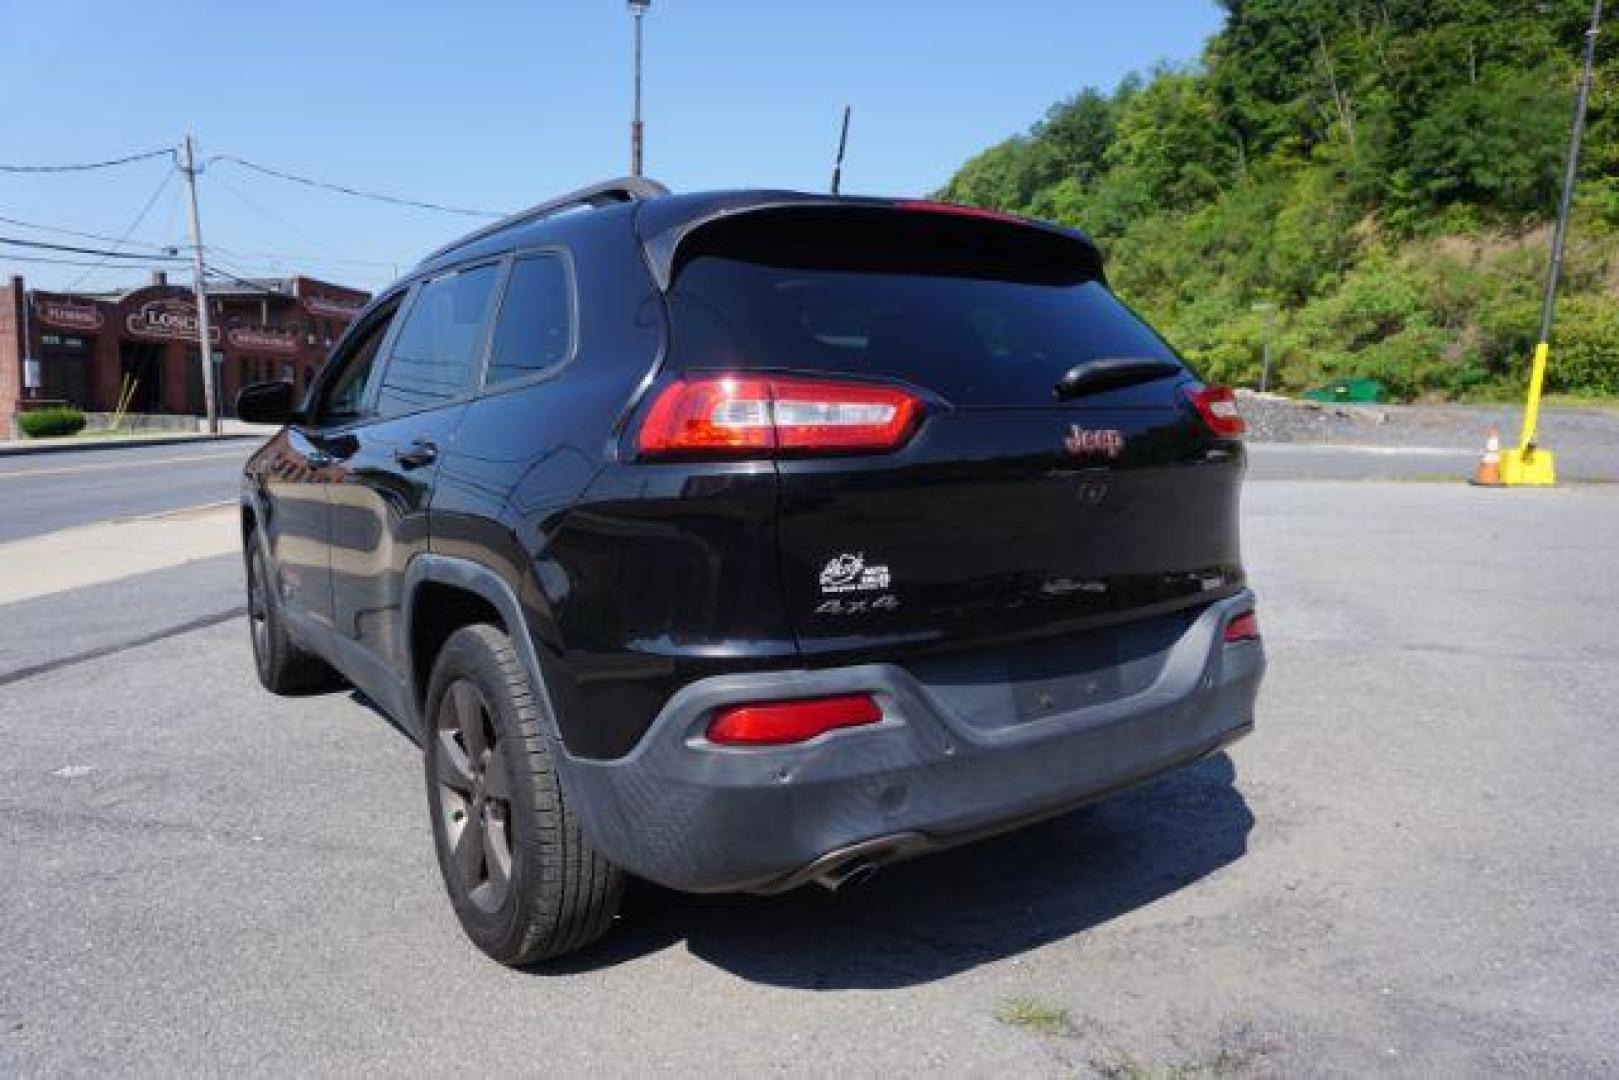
x: 1488, y: 473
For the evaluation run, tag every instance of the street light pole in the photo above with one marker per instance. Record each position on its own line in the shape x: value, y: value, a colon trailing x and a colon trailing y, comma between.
x: 1268, y: 309
x: 188, y: 168
x: 638, y: 11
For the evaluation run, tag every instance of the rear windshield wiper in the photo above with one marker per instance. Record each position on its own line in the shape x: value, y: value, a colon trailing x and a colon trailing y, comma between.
x: 1094, y: 376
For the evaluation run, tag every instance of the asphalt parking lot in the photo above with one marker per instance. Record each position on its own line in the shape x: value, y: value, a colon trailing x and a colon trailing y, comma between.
x: 1412, y: 867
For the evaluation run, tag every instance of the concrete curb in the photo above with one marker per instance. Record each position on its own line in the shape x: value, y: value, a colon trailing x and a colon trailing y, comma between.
x: 19, y: 449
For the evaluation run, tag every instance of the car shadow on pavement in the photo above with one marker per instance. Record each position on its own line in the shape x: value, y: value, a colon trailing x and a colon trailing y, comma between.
x: 952, y: 911
x: 362, y: 699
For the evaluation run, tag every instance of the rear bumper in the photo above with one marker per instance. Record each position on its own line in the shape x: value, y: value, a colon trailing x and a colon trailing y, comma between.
x: 703, y: 818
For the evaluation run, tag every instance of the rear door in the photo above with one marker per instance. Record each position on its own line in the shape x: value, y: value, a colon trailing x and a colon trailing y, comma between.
x: 388, y: 464
x: 1022, y: 505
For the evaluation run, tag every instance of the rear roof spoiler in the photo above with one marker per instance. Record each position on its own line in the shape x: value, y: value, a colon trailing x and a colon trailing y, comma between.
x: 666, y: 224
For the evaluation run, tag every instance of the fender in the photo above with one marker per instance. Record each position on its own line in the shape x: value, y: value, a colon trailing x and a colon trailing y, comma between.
x: 478, y: 579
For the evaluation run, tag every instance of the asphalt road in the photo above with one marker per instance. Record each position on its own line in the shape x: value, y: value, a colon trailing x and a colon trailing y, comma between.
x: 1313, y: 461
x: 1408, y: 870
x: 41, y: 493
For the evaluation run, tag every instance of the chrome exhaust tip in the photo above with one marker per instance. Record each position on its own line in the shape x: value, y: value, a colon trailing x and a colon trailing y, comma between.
x: 847, y: 875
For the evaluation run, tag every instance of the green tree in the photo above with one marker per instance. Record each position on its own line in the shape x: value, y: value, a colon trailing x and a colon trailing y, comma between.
x: 1171, y: 143
x: 1498, y: 142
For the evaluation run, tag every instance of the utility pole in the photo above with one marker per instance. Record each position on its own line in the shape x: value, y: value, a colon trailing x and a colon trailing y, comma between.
x: 31, y: 381
x: 638, y: 11
x: 188, y: 169
x: 1527, y: 463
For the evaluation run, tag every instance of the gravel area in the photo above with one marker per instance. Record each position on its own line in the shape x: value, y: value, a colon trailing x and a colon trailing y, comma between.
x: 1273, y: 418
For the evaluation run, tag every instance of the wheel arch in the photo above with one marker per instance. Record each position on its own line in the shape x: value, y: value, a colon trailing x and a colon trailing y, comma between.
x: 462, y: 592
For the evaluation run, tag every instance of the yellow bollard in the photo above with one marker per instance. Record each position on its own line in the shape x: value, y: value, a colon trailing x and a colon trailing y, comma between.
x: 1527, y: 465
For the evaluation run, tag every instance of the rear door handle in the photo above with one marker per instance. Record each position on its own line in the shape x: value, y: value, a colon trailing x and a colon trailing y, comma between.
x: 417, y: 453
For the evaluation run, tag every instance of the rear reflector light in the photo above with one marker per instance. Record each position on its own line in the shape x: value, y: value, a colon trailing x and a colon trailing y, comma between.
x: 1217, y: 405
x: 729, y: 415
x: 1244, y: 627
x: 778, y: 722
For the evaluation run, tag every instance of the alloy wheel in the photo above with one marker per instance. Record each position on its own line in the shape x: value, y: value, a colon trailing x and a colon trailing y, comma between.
x: 474, y: 795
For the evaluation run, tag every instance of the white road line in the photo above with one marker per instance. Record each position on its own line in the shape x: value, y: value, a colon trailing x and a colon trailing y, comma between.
x: 179, y: 511
x: 1336, y: 448
x: 102, y: 466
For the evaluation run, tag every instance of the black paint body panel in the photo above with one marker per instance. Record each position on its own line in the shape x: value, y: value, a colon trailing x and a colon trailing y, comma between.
x: 636, y: 579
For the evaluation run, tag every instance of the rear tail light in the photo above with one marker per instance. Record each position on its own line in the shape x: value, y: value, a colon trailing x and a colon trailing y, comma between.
x: 778, y: 722
x: 1217, y: 405
x: 743, y: 415
x: 1244, y: 627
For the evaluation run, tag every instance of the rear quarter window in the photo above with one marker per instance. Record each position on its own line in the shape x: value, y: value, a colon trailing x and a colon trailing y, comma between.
x: 534, y: 330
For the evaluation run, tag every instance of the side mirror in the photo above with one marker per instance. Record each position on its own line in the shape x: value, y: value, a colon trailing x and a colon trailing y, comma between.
x: 266, y: 403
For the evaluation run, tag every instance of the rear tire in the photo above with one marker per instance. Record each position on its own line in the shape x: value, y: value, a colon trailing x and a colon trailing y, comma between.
x: 282, y: 667
x: 526, y: 884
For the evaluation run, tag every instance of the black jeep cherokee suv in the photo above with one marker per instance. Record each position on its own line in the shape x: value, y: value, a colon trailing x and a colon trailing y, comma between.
x: 747, y: 539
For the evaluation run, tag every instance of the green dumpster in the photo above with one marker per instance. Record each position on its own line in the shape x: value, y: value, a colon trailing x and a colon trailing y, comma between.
x: 1354, y: 391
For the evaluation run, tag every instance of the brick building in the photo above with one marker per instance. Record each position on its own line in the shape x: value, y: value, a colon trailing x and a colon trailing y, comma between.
x: 142, y: 344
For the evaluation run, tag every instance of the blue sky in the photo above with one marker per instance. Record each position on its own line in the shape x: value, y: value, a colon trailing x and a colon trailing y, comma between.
x: 497, y: 105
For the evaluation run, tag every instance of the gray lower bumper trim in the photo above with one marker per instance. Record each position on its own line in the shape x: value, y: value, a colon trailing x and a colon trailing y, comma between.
x: 704, y: 818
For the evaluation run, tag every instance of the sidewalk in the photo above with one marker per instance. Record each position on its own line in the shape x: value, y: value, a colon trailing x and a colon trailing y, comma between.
x: 228, y: 429
x: 112, y: 550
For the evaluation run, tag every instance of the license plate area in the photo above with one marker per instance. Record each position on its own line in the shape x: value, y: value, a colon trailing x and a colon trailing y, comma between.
x: 994, y: 689
x: 1049, y: 682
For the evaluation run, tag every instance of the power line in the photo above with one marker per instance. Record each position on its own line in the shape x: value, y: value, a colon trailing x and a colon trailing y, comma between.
x: 86, y: 251
x: 246, y: 282
x: 265, y: 258
x: 9, y: 258
x: 311, y: 267
x: 162, y: 248
x: 278, y: 220
x: 140, y: 216
x: 355, y: 192
x: 118, y: 252
x: 87, y: 166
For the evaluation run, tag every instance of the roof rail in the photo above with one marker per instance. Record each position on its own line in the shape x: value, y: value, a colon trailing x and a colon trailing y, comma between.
x: 624, y: 189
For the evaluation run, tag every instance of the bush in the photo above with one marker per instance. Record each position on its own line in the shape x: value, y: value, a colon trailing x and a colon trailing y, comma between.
x: 50, y: 423
x: 1585, y: 348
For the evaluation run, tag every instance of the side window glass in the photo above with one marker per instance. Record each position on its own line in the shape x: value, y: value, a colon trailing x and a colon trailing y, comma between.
x: 534, y: 330
x: 435, y: 355
x: 343, y: 401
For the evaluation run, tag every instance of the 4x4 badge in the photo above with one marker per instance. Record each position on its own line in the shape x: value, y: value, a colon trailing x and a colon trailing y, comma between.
x: 1094, y: 442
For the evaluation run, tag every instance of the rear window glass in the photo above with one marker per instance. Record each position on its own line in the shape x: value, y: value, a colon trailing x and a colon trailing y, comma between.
x: 975, y: 341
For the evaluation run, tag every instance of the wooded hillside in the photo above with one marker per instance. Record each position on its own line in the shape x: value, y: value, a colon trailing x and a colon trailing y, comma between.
x: 1384, y: 171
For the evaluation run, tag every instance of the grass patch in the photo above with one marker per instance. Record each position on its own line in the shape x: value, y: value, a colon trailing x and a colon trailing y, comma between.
x: 1240, y: 1054
x: 1121, y: 1066
x: 1032, y: 1014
